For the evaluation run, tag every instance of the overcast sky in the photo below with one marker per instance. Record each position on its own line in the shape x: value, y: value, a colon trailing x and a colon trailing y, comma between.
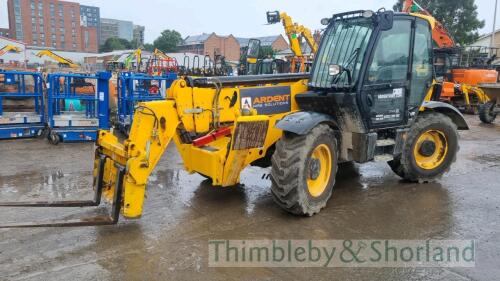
x: 240, y: 18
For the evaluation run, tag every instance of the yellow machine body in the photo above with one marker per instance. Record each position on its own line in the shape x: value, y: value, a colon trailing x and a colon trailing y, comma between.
x: 194, y: 111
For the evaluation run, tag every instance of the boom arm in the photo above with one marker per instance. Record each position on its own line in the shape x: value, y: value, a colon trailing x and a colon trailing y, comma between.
x: 440, y: 35
x: 57, y: 58
x: 9, y: 48
x: 294, y: 32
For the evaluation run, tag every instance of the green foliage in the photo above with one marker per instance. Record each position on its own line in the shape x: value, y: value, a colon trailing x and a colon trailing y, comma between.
x: 459, y: 17
x: 168, y: 41
x: 149, y: 47
x: 115, y: 43
x: 266, y: 52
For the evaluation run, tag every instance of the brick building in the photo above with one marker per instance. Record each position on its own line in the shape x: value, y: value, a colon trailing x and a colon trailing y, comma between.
x: 51, y: 24
x: 277, y: 42
x: 210, y: 44
x: 228, y: 46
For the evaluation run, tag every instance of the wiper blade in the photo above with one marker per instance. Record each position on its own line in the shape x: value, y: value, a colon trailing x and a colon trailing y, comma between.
x: 352, y: 58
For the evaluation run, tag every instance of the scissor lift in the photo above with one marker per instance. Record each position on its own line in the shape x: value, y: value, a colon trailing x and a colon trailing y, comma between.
x: 67, y: 93
x: 139, y: 87
x: 27, y: 118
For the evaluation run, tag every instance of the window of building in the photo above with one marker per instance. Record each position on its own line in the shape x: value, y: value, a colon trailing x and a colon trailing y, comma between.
x: 53, y: 36
x: 35, y: 42
x: 33, y: 20
x: 63, y: 45
x: 62, y: 37
x: 33, y: 27
x: 74, y: 45
x: 41, y: 21
x: 73, y: 24
x: 54, y: 44
x: 33, y: 5
x: 52, y: 22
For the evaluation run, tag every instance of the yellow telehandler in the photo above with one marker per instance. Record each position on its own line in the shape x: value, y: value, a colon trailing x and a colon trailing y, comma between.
x: 369, y: 97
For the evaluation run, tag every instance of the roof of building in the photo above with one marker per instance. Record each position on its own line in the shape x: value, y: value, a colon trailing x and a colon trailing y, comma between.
x: 487, y: 34
x: 196, y: 39
x: 264, y: 40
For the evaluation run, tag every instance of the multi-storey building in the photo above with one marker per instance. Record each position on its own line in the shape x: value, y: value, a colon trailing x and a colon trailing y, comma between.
x: 111, y: 28
x: 90, y: 17
x: 51, y: 24
x: 139, y: 34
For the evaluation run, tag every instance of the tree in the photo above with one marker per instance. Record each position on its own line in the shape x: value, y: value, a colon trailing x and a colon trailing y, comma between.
x: 459, y: 17
x: 115, y: 43
x: 149, y: 47
x: 266, y: 52
x: 168, y: 41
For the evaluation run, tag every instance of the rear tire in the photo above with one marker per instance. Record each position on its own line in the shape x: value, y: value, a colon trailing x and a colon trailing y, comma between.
x: 429, y: 150
x: 486, y: 114
x: 303, y: 170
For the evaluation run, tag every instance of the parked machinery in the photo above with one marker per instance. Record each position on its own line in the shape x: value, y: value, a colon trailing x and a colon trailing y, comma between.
x: 356, y: 105
x: 9, y: 49
x: 74, y: 115
x: 461, y: 69
x: 64, y: 62
x: 488, y: 112
x: 138, y: 87
x: 22, y: 111
x: 295, y: 32
x: 159, y: 64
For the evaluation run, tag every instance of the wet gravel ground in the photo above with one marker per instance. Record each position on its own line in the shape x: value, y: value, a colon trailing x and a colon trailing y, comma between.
x: 182, y: 212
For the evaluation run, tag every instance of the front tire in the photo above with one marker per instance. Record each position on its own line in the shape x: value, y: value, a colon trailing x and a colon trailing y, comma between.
x: 486, y: 114
x: 303, y: 170
x: 429, y: 150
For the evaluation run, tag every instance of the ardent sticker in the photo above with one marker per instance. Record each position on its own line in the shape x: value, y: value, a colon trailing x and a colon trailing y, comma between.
x: 268, y: 100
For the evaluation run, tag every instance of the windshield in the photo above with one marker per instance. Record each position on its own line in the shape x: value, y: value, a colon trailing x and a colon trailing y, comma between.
x: 253, y: 48
x: 344, y: 43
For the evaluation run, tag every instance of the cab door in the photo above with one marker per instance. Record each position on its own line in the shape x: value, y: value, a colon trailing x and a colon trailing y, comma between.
x: 386, y: 85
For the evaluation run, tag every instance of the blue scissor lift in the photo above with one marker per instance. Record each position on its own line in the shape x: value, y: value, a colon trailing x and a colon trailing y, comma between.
x: 27, y: 118
x: 73, y: 115
x: 139, y: 87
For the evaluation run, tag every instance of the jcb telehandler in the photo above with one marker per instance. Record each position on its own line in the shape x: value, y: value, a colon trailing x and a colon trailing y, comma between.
x: 369, y: 97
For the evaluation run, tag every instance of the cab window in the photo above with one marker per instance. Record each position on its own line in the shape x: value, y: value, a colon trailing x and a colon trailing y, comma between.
x: 390, y: 59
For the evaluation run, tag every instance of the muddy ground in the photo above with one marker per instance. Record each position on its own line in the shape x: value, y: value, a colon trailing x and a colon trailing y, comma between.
x: 182, y: 212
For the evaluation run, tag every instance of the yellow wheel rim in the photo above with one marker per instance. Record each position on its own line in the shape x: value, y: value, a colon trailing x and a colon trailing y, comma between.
x: 319, y: 170
x: 430, y: 149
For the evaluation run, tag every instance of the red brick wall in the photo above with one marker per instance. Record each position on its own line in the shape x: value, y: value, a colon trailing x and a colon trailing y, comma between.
x: 226, y: 46
x: 88, y: 39
x: 72, y: 31
x: 280, y: 44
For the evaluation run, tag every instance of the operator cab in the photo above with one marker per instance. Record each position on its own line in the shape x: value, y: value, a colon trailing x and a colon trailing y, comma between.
x: 372, y: 70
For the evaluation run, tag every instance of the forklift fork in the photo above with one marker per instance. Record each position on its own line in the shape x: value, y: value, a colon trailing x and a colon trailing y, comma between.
x: 110, y: 219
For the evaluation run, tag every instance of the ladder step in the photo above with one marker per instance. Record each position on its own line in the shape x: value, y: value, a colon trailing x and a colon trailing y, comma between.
x: 383, y: 158
x: 386, y: 142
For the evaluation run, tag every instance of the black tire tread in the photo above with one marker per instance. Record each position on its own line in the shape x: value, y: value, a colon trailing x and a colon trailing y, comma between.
x: 401, y: 165
x: 287, y: 161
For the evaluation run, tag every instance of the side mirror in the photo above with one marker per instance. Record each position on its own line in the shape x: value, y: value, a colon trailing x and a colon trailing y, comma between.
x: 385, y: 20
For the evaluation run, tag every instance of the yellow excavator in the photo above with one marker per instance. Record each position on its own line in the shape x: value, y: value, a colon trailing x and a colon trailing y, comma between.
x: 61, y: 60
x: 9, y: 49
x: 295, y: 32
x: 355, y: 105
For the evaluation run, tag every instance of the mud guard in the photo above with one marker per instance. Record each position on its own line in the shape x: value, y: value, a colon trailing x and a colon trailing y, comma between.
x: 449, y: 110
x: 303, y: 122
